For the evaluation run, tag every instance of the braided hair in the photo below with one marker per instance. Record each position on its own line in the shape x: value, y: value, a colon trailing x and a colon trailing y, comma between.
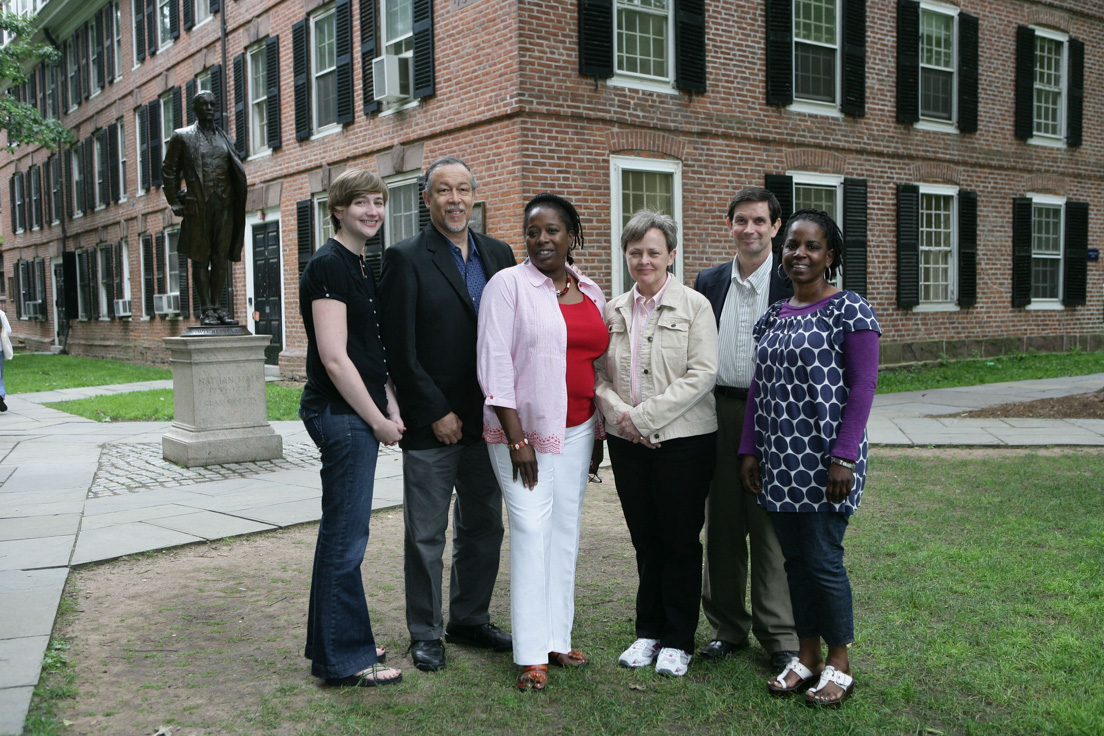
x: 568, y: 214
x: 833, y: 238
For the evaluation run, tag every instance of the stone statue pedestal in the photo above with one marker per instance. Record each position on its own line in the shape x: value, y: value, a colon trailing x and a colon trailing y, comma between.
x: 219, y: 400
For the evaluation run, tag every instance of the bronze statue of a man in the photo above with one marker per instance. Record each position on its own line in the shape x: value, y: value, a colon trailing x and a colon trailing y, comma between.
x: 212, y: 207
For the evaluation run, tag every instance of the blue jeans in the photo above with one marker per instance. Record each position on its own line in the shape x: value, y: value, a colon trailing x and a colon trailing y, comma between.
x: 820, y: 592
x: 339, y: 632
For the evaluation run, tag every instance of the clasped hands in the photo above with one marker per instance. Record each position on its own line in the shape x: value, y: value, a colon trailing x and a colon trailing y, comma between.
x: 631, y: 433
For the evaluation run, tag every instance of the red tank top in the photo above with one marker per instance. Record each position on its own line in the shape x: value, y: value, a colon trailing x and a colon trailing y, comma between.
x: 587, y: 338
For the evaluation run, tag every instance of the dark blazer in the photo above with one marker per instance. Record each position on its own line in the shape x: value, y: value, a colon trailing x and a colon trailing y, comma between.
x: 714, y: 282
x: 429, y: 329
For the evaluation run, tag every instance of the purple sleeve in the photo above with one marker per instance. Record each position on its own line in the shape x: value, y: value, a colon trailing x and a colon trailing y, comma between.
x: 860, y: 363
x: 747, y: 434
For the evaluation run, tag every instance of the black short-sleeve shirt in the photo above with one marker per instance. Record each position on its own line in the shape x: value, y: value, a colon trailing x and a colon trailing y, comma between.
x: 334, y: 272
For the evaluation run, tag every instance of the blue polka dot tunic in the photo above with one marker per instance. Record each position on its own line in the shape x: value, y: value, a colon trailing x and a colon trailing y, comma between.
x: 801, y: 392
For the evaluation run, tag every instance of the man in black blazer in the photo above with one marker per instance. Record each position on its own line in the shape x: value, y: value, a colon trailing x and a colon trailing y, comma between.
x: 430, y: 289
x: 740, y: 291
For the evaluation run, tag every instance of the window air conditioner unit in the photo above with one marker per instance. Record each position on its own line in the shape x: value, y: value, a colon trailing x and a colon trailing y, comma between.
x: 166, y: 303
x: 33, y: 310
x: 122, y: 307
x: 392, y: 78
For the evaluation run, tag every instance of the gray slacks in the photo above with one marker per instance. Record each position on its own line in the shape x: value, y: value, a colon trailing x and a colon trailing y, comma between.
x: 428, y: 479
x: 733, y: 519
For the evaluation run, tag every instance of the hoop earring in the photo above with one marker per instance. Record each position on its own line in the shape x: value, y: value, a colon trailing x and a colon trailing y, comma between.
x: 781, y: 273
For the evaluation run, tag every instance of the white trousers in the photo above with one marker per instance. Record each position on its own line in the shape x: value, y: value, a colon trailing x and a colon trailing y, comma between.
x: 544, y: 543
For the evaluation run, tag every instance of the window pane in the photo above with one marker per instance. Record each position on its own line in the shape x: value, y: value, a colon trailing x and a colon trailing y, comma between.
x: 815, y: 197
x: 936, y: 94
x: 1048, y: 86
x: 400, y: 19
x: 815, y: 20
x: 323, y: 225
x: 642, y: 38
x: 402, y: 212
x: 936, y: 247
x: 1046, y: 251
x: 654, y: 190
x: 937, y: 40
x: 814, y: 72
x: 258, y: 97
x: 325, y: 80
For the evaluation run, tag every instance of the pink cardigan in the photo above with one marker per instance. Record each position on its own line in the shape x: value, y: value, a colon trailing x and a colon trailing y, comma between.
x: 522, y: 354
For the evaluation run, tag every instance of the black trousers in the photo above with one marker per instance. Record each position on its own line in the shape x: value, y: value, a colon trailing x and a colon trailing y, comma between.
x: 662, y: 494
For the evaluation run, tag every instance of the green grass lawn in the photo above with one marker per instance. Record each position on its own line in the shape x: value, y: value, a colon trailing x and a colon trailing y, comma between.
x: 1016, y: 367
x: 157, y: 405
x: 33, y: 372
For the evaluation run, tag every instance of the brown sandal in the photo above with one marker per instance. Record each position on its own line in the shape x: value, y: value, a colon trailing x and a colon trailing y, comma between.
x: 574, y: 658
x: 532, y: 677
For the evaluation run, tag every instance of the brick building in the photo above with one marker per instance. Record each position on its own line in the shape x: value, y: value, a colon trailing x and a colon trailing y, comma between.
x: 946, y: 137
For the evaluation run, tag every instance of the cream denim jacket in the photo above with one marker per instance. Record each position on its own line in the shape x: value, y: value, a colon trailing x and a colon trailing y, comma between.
x: 678, y: 354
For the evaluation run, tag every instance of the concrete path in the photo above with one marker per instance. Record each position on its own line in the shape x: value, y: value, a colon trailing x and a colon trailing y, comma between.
x: 74, y: 491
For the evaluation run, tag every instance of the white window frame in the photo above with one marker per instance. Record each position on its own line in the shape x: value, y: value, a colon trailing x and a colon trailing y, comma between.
x: 137, y: 9
x: 1057, y: 140
x: 164, y: 33
x: 103, y: 255
x: 951, y: 303
x: 72, y: 73
x: 93, y: 55
x: 323, y: 228
x: 319, y: 130
x: 619, y: 164
x: 120, y: 126
x: 1049, y: 303
x: 138, y: 190
x: 202, y: 12
x: 938, y: 124
x: 203, y: 83
x: 632, y: 80
x: 35, y: 172
x: 57, y: 196
x: 118, y: 39
x: 77, y: 183
x: 402, y: 46
x: 125, y: 262
x: 98, y: 168
x: 53, y: 91
x: 818, y: 107
x: 257, y: 100
x: 20, y: 204
x: 393, y: 183
x: 172, y: 263
x: 84, y: 308
x: 168, y: 119
x: 146, y: 316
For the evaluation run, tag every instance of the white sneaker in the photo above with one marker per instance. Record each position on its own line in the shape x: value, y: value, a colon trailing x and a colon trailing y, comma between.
x: 673, y: 662
x: 641, y: 654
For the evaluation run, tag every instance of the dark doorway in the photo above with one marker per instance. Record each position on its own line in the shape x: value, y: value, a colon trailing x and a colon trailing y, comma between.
x: 267, y: 308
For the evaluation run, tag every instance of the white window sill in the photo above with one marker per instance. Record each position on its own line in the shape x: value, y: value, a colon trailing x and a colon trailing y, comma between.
x: 263, y: 153
x: 94, y: 93
x: 400, y: 107
x: 1045, y: 305
x: 1047, y: 141
x: 203, y: 22
x: 646, y: 85
x: 326, y: 131
x: 939, y: 126
x: 936, y: 307
x: 815, y: 108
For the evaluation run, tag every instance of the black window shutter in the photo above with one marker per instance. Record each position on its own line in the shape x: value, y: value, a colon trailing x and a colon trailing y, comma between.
x: 367, y: 54
x: 120, y: 278
x: 908, y: 245
x: 908, y: 61
x: 304, y: 226
x: 68, y: 156
x: 188, y: 15
x: 272, y: 89
x: 218, y: 90
x: 343, y: 42
x: 159, y: 259
x: 1021, y: 251
x: 301, y: 71
x: 90, y: 277
x: 143, y: 147
x: 113, y: 161
x: 596, y: 38
x: 86, y: 60
x: 967, y: 73
x: 139, y: 30
x: 214, y: 5
x: 182, y: 264
x: 26, y: 207
x: 1075, y: 90
x: 690, y: 45
x: 147, y: 275
x: 424, y: 76
x: 178, y: 109
x: 109, y: 41
x: 151, y: 27
x: 779, y: 52
x: 63, y: 77
x: 109, y: 279
x: 424, y: 219
x: 101, y: 61
x: 103, y: 176
x: 1025, y: 82
x: 189, y: 94
x: 373, y: 254
x: 174, y: 18
x: 153, y: 122
x: 854, y: 235
x: 89, y: 176
x: 1076, y: 254
x: 240, y: 128
x: 11, y: 191
x: 854, y: 58
x: 781, y: 187
x: 967, y: 248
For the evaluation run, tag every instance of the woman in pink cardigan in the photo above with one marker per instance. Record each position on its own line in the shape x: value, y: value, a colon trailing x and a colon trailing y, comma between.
x: 540, y: 332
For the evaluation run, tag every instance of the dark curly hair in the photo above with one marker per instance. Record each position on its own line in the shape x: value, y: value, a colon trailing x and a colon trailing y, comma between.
x: 832, y: 236
x: 568, y: 214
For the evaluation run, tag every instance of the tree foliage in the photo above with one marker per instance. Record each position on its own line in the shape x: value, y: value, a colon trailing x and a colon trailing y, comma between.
x: 21, y: 121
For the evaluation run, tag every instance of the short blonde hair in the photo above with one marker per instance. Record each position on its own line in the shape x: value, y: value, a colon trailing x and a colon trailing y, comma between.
x: 352, y: 184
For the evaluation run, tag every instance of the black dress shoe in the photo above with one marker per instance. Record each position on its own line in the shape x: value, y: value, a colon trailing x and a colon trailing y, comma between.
x: 717, y: 649
x: 780, y: 659
x: 428, y: 654
x: 486, y: 636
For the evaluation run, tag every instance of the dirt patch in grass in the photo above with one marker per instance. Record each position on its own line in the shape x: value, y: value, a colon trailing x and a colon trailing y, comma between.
x: 1078, y: 406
